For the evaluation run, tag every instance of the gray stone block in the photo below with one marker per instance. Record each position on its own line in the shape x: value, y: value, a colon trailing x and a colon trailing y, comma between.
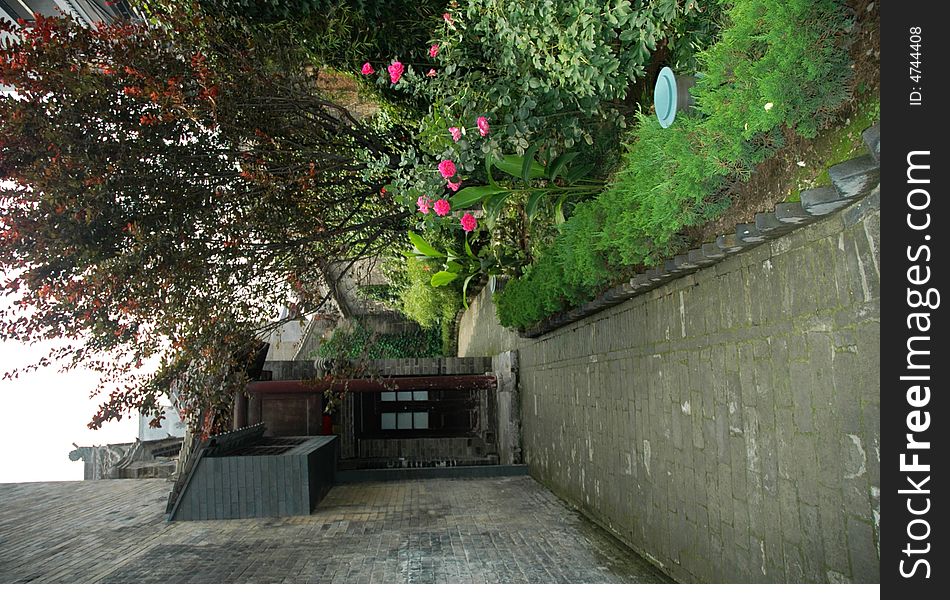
x: 713, y: 251
x: 669, y: 267
x: 697, y: 256
x: 749, y: 234
x: 792, y: 213
x: 767, y: 223
x: 641, y: 282
x: 682, y: 263
x: 822, y: 201
x: 872, y: 139
x: 617, y: 294
x: 855, y: 177
x: 729, y: 243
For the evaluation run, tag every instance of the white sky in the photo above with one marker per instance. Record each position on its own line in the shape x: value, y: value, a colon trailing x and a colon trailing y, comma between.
x: 43, y: 413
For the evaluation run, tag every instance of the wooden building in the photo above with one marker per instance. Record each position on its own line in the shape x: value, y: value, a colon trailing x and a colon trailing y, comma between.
x: 399, y: 413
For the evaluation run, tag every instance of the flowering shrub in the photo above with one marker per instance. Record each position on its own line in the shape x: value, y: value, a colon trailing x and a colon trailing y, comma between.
x: 468, y: 222
x: 395, y: 71
x: 537, y: 75
x: 543, y: 72
x: 447, y: 169
x: 771, y: 67
x: 424, y: 203
x: 483, y: 128
x: 441, y: 207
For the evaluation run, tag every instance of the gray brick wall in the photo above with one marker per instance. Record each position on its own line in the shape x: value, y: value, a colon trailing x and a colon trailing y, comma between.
x: 726, y: 425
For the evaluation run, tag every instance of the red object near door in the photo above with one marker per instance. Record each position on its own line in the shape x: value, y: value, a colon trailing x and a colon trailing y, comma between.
x: 327, y: 425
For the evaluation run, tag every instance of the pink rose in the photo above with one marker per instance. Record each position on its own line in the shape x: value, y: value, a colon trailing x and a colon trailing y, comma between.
x: 434, y: 50
x: 448, y: 19
x: 468, y: 222
x: 367, y: 69
x: 442, y: 207
x: 395, y: 71
x: 456, y: 133
x: 454, y: 186
x: 424, y: 204
x: 431, y: 73
x: 447, y: 169
x: 482, y: 123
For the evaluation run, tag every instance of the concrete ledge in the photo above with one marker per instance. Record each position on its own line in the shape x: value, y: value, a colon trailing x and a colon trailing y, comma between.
x: 361, y: 475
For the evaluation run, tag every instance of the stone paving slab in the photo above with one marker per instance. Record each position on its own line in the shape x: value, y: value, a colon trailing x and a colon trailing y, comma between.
x: 502, y: 530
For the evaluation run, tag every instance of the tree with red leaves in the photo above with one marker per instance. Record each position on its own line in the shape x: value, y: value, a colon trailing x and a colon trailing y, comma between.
x: 165, y: 189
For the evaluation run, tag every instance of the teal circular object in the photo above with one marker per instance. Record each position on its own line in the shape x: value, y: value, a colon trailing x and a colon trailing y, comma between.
x: 664, y: 97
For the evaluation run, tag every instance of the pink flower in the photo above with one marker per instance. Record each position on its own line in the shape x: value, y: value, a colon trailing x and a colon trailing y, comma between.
x: 395, y: 71
x: 468, y: 222
x: 448, y: 19
x: 367, y: 69
x: 482, y: 123
x: 441, y: 207
x: 433, y: 50
x: 454, y: 186
x: 456, y: 133
x: 431, y: 73
x: 424, y: 203
x: 447, y: 169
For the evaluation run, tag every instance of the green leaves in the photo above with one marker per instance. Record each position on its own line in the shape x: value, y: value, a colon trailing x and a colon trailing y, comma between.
x: 524, y: 167
x: 534, y: 201
x: 557, y: 165
x: 443, y: 278
x: 423, y: 247
x: 470, y: 196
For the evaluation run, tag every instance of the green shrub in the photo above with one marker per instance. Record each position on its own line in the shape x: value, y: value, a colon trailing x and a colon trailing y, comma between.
x: 357, y: 343
x: 341, y: 34
x: 787, y: 56
x: 774, y: 65
x: 426, y: 305
x: 543, y: 72
x: 548, y: 74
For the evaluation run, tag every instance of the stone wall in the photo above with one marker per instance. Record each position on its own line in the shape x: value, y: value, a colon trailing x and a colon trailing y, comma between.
x: 726, y: 424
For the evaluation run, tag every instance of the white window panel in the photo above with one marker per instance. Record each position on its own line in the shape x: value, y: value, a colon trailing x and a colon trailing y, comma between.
x: 422, y: 396
x: 421, y: 420
x: 405, y: 396
x: 388, y: 396
x: 389, y: 421
x: 404, y: 420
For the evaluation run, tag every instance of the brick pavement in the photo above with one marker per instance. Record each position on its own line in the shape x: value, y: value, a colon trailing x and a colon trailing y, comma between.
x: 726, y: 424
x: 509, y: 530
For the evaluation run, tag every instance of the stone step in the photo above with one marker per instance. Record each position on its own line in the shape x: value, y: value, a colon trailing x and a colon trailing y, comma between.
x: 683, y: 263
x: 767, y: 222
x: 713, y: 251
x: 821, y: 201
x: 792, y: 213
x: 749, y: 234
x: 855, y: 177
x: 699, y: 257
x: 729, y: 243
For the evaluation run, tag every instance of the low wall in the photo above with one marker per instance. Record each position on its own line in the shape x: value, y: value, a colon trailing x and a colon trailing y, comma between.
x: 726, y: 425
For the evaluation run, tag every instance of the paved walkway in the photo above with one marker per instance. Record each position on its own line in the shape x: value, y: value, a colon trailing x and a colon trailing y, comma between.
x: 726, y: 424
x: 509, y: 530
